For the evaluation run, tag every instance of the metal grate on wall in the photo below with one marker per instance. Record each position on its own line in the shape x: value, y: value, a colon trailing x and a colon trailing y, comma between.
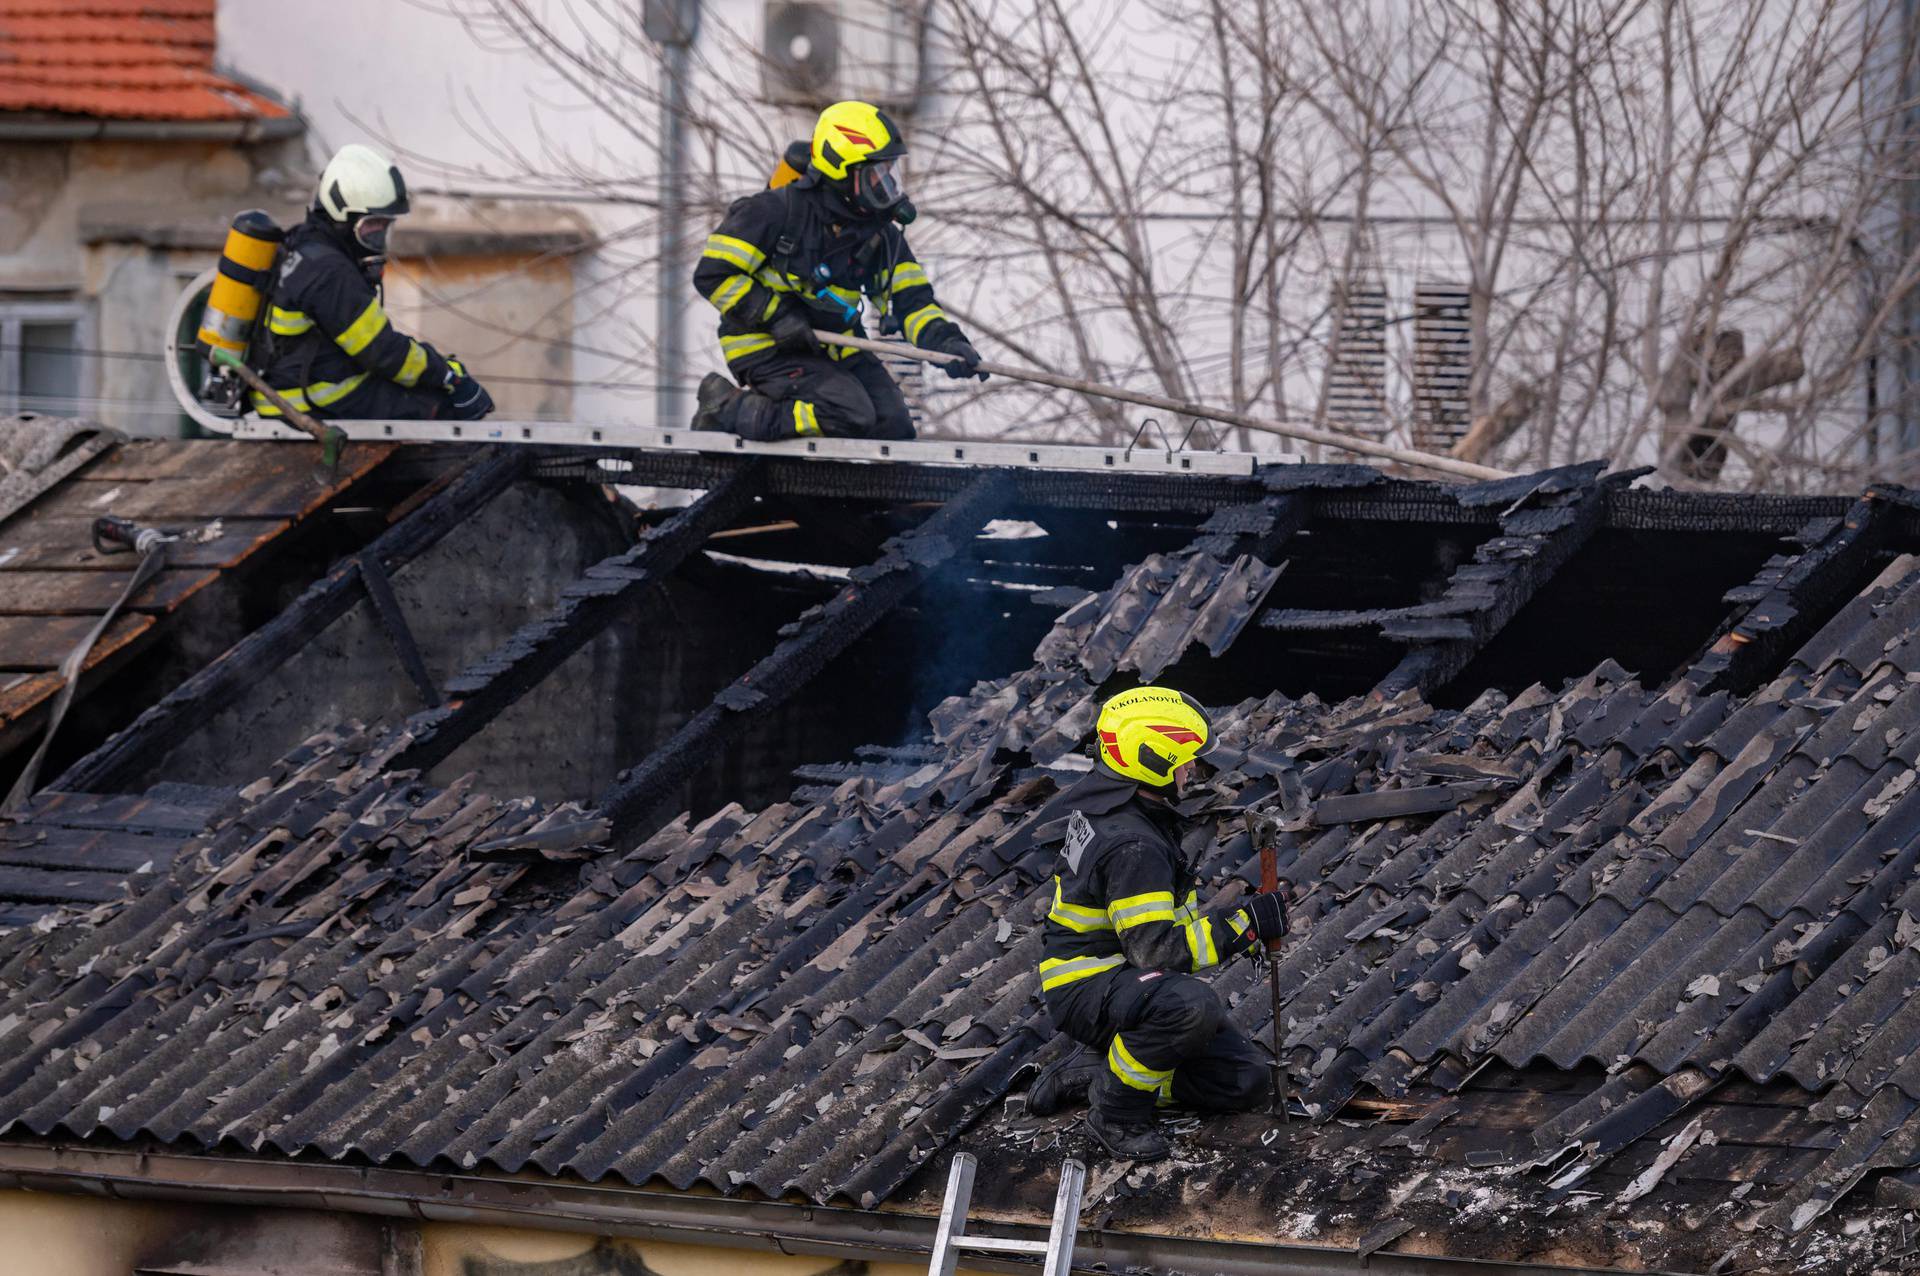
x: 1442, y: 364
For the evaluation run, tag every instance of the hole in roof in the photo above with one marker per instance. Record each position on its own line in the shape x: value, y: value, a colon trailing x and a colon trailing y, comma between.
x: 1648, y: 600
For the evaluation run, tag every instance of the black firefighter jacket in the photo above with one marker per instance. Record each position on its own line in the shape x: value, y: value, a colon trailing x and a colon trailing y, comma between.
x: 1124, y: 894
x: 328, y: 330
x: 799, y: 247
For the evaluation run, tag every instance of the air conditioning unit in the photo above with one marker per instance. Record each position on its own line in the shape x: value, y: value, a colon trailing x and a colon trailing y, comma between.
x: 818, y: 51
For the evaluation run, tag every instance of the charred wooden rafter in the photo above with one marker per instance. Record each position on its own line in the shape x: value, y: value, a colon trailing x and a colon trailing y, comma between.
x: 1792, y: 594
x: 394, y: 622
x: 485, y: 689
x: 1333, y: 492
x: 1258, y: 528
x: 894, y: 482
x: 191, y: 704
x: 1545, y: 519
x: 811, y: 642
x: 1301, y: 620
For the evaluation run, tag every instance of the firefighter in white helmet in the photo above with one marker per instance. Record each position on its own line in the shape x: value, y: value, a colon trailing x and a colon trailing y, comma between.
x: 330, y: 348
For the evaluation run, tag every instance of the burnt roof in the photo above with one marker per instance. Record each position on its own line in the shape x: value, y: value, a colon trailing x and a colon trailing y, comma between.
x: 1669, y: 887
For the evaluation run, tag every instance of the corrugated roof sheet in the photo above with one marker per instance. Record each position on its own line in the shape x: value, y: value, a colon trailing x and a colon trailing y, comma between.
x: 80, y: 848
x: 815, y: 998
x: 119, y: 59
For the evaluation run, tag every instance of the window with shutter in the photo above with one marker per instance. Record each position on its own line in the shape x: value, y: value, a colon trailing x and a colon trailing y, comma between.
x: 1442, y: 364
x: 1357, y: 382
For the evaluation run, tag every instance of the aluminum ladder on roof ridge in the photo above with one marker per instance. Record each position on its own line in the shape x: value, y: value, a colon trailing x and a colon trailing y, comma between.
x: 952, y: 1239
x: 1137, y: 458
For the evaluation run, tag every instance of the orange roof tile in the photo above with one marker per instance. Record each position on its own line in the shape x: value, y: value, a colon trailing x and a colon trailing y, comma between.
x: 119, y: 59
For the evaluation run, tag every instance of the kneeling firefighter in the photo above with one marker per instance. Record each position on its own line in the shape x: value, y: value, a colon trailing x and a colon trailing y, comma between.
x: 803, y: 254
x: 328, y: 346
x: 1126, y: 935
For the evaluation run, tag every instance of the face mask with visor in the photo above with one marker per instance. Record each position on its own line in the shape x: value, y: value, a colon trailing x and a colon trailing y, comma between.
x: 370, y: 232
x: 876, y: 186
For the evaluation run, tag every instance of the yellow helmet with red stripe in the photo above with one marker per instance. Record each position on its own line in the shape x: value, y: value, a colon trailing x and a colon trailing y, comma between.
x: 1147, y: 734
x: 850, y: 133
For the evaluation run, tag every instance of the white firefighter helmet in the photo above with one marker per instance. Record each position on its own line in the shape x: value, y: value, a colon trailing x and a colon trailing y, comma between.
x: 360, y: 185
x: 359, y: 180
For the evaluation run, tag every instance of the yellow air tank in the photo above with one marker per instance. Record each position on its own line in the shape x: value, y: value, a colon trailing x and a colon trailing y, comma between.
x: 792, y: 165
x: 240, y: 289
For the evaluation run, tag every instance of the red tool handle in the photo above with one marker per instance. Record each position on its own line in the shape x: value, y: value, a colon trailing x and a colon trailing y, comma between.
x: 1270, y: 884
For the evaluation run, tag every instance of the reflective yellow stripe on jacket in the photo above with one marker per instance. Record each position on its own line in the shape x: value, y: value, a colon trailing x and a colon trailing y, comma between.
x: 1138, y: 910
x: 773, y: 279
x: 735, y: 252
x: 321, y: 394
x: 728, y: 294
x: 916, y: 323
x: 908, y: 275
x: 1076, y: 917
x: 1199, y: 933
x: 416, y: 363
x: 1198, y: 930
x: 361, y: 332
x: 745, y: 344
x: 288, y: 323
x: 1057, y: 972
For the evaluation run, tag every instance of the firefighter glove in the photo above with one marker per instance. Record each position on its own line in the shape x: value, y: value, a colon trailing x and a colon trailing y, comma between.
x: 967, y: 364
x: 1266, y: 916
x: 793, y: 332
x: 467, y: 399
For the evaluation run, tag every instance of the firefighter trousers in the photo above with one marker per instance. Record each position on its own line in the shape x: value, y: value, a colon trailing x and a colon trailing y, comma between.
x: 795, y: 396
x: 1166, y: 1039
x: 377, y: 399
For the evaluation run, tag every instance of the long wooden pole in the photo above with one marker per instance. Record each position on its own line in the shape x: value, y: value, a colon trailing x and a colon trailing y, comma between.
x: 1304, y: 433
x: 332, y: 439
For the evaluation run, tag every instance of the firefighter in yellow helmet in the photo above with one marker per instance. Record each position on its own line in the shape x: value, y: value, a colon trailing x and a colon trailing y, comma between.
x: 1126, y: 936
x: 816, y: 253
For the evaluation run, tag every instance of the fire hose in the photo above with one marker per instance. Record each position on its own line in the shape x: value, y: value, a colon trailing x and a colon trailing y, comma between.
x: 1302, y: 433
x: 110, y: 536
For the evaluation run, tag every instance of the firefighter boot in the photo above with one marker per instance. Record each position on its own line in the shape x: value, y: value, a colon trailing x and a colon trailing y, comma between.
x: 1127, y: 1137
x: 1120, y: 1118
x: 747, y: 413
x: 712, y: 395
x: 1064, y: 1082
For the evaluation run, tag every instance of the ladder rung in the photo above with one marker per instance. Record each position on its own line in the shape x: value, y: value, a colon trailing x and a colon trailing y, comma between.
x: 950, y: 1237
x: 1001, y: 1246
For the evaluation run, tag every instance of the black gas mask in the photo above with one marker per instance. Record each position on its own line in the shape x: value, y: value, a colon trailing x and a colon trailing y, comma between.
x: 877, y: 191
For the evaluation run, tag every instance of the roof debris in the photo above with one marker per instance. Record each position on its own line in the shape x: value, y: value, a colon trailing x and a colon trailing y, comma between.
x: 1633, y: 923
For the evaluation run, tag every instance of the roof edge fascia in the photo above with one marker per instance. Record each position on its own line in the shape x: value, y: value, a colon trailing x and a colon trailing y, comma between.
x: 661, y: 1214
x: 14, y: 128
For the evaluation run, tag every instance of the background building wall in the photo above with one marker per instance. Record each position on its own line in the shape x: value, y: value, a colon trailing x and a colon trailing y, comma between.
x: 115, y: 295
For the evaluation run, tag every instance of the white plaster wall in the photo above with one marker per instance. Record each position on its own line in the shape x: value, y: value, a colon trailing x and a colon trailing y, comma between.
x: 417, y: 79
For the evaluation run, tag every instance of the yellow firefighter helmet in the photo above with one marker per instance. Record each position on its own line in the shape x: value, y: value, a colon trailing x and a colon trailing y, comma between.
x: 850, y: 133
x: 1149, y: 733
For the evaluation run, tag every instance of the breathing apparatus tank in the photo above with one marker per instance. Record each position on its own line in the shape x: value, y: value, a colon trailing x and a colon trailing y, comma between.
x: 793, y: 163
x: 240, y: 289
x: 234, y: 303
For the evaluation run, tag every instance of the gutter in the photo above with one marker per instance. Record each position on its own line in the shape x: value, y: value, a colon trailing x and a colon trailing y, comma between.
x: 681, y: 1217
x: 256, y: 129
